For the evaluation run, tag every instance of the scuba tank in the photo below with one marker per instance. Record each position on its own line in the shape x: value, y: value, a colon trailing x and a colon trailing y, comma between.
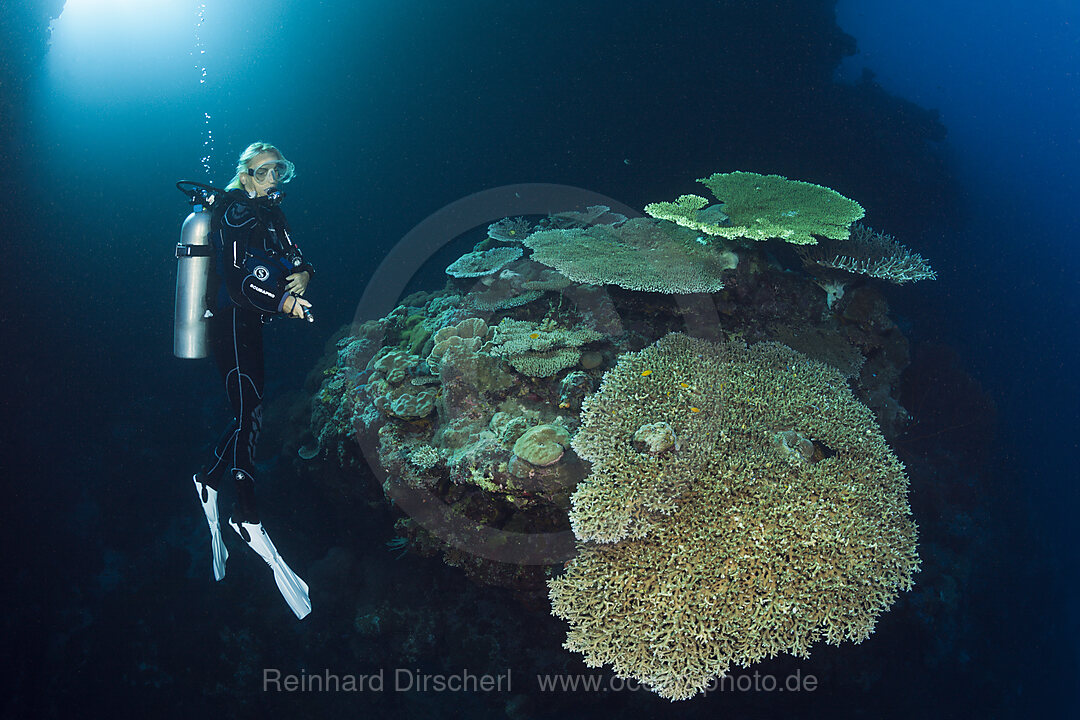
x: 193, y: 272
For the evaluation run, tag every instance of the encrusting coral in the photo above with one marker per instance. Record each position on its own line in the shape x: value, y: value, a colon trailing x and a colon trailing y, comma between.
x: 542, y: 445
x: 389, y: 390
x: 469, y: 334
x: 759, y: 512
x: 762, y: 207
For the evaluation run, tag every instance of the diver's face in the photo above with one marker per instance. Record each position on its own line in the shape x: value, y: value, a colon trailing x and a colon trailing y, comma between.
x: 265, y: 178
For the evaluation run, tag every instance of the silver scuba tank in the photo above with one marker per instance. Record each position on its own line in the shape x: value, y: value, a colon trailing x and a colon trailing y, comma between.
x: 192, y: 274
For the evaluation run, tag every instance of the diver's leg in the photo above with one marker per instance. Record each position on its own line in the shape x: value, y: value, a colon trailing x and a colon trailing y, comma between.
x: 244, y: 382
x: 245, y: 387
x: 208, y: 480
x: 216, y: 469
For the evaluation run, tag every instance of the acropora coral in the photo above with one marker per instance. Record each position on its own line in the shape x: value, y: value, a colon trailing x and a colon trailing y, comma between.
x: 640, y: 254
x: 871, y: 253
x: 763, y: 207
x: 741, y: 504
x: 483, y: 262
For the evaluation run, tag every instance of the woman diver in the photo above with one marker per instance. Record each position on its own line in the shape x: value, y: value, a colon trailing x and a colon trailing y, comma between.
x: 258, y: 274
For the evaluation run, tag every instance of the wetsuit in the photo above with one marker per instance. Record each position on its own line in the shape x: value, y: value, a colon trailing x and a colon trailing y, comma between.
x: 252, y: 255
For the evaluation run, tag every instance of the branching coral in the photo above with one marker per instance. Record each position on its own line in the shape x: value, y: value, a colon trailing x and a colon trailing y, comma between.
x: 509, y: 229
x: 514, y: 337
x: 746, y: 505
x: 761, y: 207
x: 870, y: 253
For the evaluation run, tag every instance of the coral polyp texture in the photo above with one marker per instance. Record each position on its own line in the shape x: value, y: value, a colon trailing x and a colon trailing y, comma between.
x: 741, y: 504
x: 639, y: 254
x: 763, y: 207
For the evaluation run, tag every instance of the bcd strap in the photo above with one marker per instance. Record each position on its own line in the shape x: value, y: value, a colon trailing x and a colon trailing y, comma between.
x: 183, y: 250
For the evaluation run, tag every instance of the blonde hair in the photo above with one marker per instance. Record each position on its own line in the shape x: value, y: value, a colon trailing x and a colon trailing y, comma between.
x: 250, y: 153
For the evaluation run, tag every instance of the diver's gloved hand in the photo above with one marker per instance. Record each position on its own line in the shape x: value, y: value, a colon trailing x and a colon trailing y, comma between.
x: 294, y: 306
x: 298, y: 282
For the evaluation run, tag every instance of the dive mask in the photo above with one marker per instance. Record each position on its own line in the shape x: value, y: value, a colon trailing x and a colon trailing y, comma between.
x: 278, y: 171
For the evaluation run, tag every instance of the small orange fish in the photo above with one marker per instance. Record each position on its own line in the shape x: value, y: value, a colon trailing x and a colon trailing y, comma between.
x: 647, y: 372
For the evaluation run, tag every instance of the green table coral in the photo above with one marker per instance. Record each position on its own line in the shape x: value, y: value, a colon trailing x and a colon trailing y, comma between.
x: 762, y: 207
x: 642, y: 254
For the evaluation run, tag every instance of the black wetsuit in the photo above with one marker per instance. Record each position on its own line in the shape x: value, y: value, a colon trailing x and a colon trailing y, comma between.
x: 252, y: 256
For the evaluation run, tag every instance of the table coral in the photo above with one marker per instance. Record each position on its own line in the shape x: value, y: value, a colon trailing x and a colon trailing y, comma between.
x: 761, y: 207
x: 640, y: 254
x: 539, y: 349
x: 483, y: 262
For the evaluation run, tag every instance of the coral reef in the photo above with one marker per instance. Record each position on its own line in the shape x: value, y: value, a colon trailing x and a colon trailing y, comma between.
x: 778, y: 518
x: 730, y: 502
x: 437, y: 393
x: 763, y: 207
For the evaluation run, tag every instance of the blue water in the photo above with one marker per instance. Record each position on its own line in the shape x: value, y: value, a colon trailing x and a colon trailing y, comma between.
x: 963, y: 142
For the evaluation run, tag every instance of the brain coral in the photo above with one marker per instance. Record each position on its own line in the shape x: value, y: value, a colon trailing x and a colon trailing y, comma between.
x: 760, y: 207
x: 641, y: 254
x: 724, y: 546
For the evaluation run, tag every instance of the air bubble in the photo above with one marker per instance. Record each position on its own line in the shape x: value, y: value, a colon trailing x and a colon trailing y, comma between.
x: 208, y: 142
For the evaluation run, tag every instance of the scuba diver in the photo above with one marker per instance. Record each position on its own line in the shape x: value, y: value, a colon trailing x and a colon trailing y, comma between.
x: 257, y: 274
